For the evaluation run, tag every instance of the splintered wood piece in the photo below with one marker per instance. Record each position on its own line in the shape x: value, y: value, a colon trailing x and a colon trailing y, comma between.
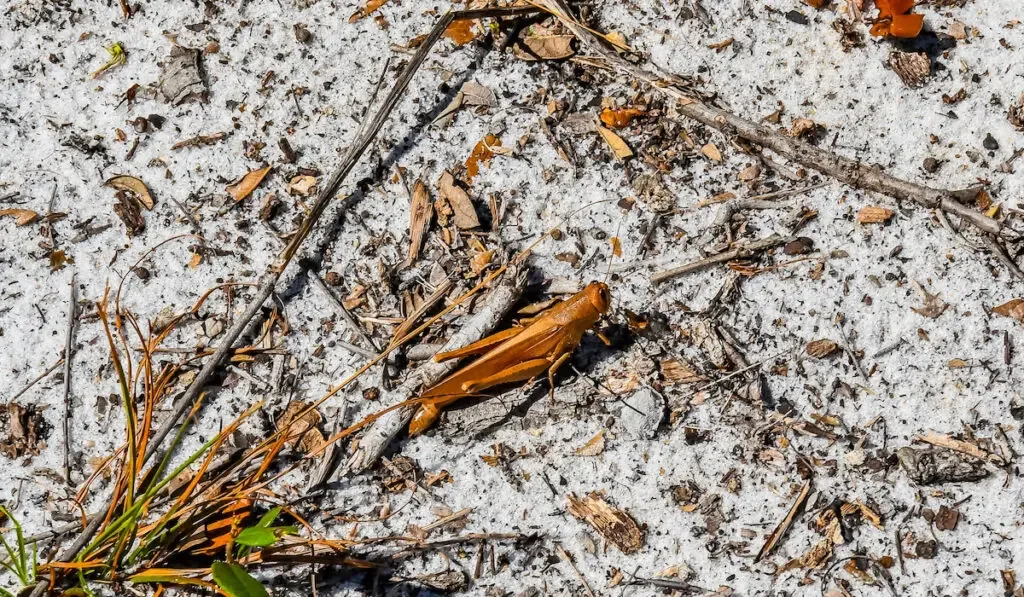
x: 421, y: 211
x: 780, y: 530
x: 616, y: 526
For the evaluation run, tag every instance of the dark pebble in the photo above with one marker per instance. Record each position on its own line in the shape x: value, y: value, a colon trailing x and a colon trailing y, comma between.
x: 931, y: 165
x: 990, y: 143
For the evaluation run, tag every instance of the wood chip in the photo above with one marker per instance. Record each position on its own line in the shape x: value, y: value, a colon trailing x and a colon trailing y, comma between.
x: 679, y: 371
x: 421, y: 212
x: 913, y: 68
x: 874, y: 215
x: 615, y: 525
x: 481, y: 154
x: 820, y: 349
x: 247, y: 184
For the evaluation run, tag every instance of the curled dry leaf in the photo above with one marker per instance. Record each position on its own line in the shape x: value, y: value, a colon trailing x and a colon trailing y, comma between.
x: 615, y: 525
x: 545, y: 47
x: 874, y: 215
x: 820, y: 349
x: 615, y: 142
x: 482, y: 153
x: 134, y: 186
x: 369, y: 8
x: 22, y: 217
x: 247, y: 184
x: 1013, y: 308
x: 459, y: 201
x: 621, y: 117
x: 593, y: 447
x: 301, y: 424
x: 678, y: 371
x: 475, y: 94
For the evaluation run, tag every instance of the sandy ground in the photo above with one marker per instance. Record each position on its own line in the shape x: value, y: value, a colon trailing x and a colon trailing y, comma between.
x: 58, y: 130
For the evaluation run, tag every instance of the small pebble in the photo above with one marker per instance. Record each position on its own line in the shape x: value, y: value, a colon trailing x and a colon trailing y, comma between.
x: 931, y: 165
x: 990, y: 142
x: 302, y: 34
x: 142, y: 273
x: 332, y: 278
x: 800, y: 246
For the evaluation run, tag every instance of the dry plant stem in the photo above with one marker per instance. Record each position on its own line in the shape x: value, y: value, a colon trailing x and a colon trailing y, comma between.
x: 845, y: 170
x: 376, y: 439
x: 68, y: 339
x: 744, y: 250
x: 39, y: 378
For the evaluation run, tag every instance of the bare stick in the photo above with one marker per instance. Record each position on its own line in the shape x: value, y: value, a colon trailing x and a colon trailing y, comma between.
x: 42, y: 375
x: 72, y: 299
x: 377, y: 438
x: 851, y: 172
x: 744, y: 250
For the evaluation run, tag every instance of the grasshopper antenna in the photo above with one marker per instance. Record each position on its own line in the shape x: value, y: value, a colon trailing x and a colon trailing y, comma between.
x: 616, y: 247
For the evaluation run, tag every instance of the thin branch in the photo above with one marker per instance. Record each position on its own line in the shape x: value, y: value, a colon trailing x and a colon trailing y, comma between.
x: 68, y: 340
x: 39, y: 378
x: 743, y: 250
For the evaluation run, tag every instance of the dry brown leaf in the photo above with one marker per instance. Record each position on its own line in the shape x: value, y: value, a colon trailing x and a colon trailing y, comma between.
x: 621, y: 117
x: 421, y: 211
x: 933, y: 305
x: 679, y: 371
x: 722, y: 45
x: 247, y: 184
x: 460, y: 32
x: 1013, y: 308
x: 22, y: 217
x: 820, y: 349
x: 302, y: 185
x: 480, y: 261
x: 134, y: 186
x: 958, y: 364
x: 370, y: 7
x: 615, y: 525
x: 301, y: 424
x: 711, y: 152
x: 616, y: 247
x: 458, y: 199
x: 615, y: 142
x: 545, y: 47
x: 483, y: 152
x: 593, y: 447
x: 874, y: 215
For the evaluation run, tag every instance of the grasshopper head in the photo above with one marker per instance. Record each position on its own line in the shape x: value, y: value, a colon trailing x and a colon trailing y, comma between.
x: 599, y: 296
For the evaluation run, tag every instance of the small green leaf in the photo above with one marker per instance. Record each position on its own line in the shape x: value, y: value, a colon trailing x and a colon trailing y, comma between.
x: 256, y: 537
x: 269, y: 518
x: 236, y: 582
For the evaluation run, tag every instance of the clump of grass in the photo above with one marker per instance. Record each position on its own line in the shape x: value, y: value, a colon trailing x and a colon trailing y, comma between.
x: 20, y: 562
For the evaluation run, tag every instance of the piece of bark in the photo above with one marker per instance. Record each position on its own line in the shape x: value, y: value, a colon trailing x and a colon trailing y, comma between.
x: 615, y: 525
x: 935, y: 466
x: 180, y: 79
x: 380, y: 433
x: 458, y: 199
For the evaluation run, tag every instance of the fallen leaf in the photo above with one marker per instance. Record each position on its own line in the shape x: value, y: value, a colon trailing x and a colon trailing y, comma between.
x: 483, y: 152
x: 615, y: 525
x: 480, y: 261
x: 1013, y: 308
x: 616, y: 247
x: 58, y: 260
x: 958, y: 364
x: 134, y: 186
x: 711, y: 152
x: 460, y: 32
x: 593, y: 447
x: 301, y: 185
x: 820, y: 349
x: 301, y: 422
x: 475, y: 94
x: 180, y: 80
x: 874, y: 215
x: 364, y: 11
x: 621, y: 117
x: 247, y: 184
x: 933, y: 305
x: 678, y: 371
x: 459, y: 201
x: 720, y: 46
x: 22, y: 217
x: 545, y: 47
x: 615, y: 142
x: 128, y: 209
